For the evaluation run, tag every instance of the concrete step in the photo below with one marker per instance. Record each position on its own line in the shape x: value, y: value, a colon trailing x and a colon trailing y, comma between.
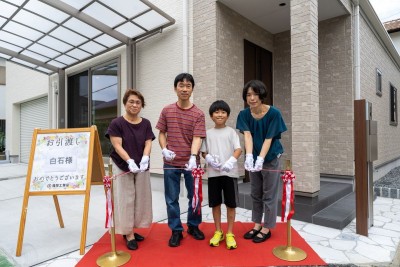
x: 305, y: 207
x: 339, y: 214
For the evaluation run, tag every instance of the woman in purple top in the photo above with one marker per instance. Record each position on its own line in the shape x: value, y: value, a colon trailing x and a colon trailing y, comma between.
x: 131, y: 137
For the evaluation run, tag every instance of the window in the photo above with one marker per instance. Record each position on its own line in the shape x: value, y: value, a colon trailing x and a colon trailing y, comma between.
x: 93, y: 99
x: 393, y: 105
x: 378, y: 82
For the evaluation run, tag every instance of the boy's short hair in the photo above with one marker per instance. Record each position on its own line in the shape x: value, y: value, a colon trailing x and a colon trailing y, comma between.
x: 219, y: 105
x: 130, y: 92
x: 258, y: 88
x: 184, y: 76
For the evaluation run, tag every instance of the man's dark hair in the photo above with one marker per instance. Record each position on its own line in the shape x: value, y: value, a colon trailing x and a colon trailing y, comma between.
x: 184, y: 76
x: 258, y: 87
x: 219, y: 105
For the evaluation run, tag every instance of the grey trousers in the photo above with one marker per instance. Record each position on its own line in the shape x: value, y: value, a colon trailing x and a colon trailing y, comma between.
x: 264, y: 192
x: 132, y: 201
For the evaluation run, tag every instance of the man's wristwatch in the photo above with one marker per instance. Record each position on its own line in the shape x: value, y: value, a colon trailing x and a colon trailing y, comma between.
x: 194, y: 155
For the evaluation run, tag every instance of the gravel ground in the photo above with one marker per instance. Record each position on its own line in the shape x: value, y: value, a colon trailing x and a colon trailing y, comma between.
x: 390, y: 180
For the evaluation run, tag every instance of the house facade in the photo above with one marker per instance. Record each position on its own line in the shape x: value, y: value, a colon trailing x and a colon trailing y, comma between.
x: 316, y: 58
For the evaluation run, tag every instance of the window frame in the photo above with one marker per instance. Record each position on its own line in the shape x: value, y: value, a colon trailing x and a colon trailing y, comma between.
x: 393, y: 105
x: 378, y: 82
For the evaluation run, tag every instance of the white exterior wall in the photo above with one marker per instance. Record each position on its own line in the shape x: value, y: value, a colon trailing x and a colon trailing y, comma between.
x: 159, y: 60
x: 23, y: 84
x: 374, y: 55
x: 2, y: 102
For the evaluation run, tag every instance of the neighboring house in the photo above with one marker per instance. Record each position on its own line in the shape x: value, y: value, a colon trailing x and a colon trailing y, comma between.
x: 393, y: 28
x: 316, y: 58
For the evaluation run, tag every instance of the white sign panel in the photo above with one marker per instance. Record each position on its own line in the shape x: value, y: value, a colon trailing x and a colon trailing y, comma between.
x: 60, y: 162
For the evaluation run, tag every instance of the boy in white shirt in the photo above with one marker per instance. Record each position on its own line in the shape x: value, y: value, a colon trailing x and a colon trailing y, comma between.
x: 221, y: 149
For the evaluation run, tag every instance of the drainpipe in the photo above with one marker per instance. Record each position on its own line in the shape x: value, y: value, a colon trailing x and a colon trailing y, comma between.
x: 185, y: 36
x: 356, y: 17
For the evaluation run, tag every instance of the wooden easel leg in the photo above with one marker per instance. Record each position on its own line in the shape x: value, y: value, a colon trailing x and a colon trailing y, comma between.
x: 60, y: 219
x: 84, y: 223
x: 22, y: 226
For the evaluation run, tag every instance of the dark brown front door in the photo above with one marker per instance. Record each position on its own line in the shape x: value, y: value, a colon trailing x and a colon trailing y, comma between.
x: 258, y: 66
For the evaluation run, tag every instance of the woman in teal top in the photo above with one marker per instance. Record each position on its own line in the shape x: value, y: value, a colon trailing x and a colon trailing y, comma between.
x: 262, y: 126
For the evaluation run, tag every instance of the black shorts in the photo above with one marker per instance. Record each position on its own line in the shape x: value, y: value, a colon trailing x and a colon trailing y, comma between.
x: 225, y: 185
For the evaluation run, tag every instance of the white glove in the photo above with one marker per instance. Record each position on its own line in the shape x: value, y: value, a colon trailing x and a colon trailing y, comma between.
x: 213, y: 161
x: 258, y: 165
x: 144, y: 163
x: 132, y: 166
x: 228, y: 166
x: 249, y: 162
x: 191, y: 163
x: 168, y: 154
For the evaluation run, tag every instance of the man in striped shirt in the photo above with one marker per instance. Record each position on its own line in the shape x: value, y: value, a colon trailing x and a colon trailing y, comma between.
x: 182, y: 127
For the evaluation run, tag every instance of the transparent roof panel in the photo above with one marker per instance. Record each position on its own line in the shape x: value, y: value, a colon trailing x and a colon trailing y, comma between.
x: 107, y: 40
x: 150, y: 20
x: 22, y: 30
x: 43, y: 50
x: 2, y: 20
x: 100, y: 12
x: 6, y: 9
x: 55, y: 43
x: 92, y: 47
x: 78, y: 4
x: 35, y: 55
x: 10, y: 46
x: 68, y: 36
x: 24, y: 62
x: 44, y: 70
x: 49, y: 32
x: 129, y: 29
x: 46, y: 11
x: 28, y: 18
x: 4, y: 56
x: 66, y: 59
x: 16, y: 2
x: 128, y: 9
x: 81, y: 27
x: 14, y: 39
x: 57, y: 64
x: 79, y: 54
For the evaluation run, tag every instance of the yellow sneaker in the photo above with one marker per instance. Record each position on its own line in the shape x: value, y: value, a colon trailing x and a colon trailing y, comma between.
x: 230, y: 241
x: 218, y: 237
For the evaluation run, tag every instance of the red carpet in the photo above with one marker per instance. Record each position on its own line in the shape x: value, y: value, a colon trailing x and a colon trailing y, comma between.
x: 154, y: 250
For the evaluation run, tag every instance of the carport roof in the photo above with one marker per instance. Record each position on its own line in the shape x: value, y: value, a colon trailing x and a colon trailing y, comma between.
x: 48, y: 35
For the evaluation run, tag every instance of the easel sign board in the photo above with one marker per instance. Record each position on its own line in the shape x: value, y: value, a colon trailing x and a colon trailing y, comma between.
x: 62, y: 162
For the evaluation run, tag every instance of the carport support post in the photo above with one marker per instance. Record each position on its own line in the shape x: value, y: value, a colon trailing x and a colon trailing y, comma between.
x: 61, y: 99
x: 131, y: 64
x: 361, y: 167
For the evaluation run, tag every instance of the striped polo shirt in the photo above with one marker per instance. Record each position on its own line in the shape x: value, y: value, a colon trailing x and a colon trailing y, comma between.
x: 180, y: 125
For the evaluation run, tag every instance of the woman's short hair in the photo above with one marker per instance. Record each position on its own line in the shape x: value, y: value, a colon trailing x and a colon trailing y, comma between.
x: 258, y: 87
x: 130, y: 92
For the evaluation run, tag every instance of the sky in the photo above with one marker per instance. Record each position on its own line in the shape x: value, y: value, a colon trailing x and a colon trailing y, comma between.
x: 386, y: 9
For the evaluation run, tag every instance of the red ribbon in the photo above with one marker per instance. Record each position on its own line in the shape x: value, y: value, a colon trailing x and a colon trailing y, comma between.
x: 109, y: 204
x: 197, y: 174
x: 287, y: 210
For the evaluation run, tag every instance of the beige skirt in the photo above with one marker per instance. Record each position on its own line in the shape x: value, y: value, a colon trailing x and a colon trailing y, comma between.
x: 132, y: 201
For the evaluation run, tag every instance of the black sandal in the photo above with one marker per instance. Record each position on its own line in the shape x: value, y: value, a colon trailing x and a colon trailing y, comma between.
x: 252, y: 233
x: 263, y: 237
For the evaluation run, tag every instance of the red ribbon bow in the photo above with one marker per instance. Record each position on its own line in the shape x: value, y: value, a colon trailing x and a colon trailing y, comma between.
x: 109, y: 205
x: 197, y: 174
x: 287, y: 210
